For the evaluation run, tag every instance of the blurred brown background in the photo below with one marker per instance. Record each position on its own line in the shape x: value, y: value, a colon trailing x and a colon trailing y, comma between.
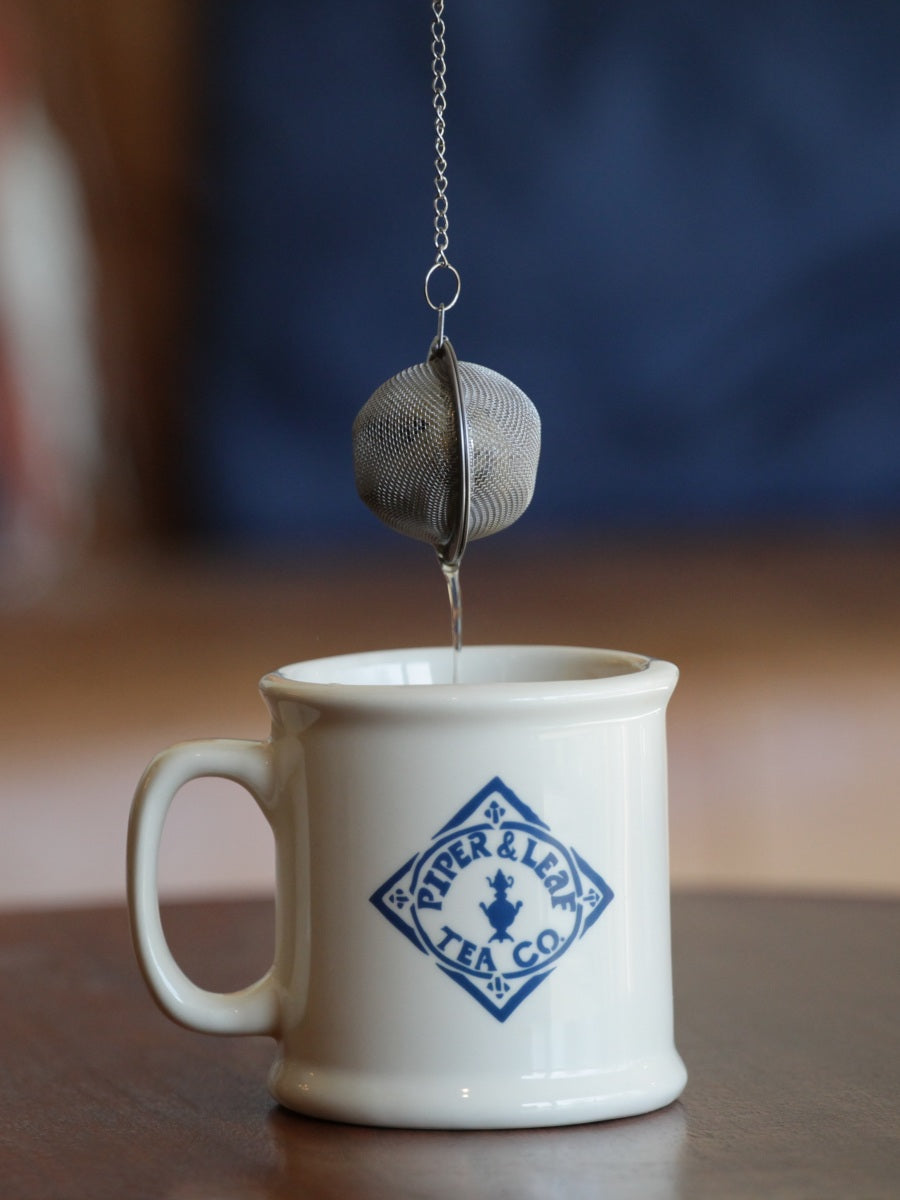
x: 115, y: 82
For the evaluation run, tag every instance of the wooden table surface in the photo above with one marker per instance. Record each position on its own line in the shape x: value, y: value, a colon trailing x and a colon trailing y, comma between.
x: 787, y: 1017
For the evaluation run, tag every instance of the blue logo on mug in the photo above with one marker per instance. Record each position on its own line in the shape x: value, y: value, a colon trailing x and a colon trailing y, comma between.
x: 495, y: 899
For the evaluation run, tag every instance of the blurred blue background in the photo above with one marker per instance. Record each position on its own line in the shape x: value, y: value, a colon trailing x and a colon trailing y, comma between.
x: 678, y: 230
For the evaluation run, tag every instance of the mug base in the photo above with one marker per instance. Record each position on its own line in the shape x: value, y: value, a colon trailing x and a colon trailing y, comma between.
x: 423, y: 1102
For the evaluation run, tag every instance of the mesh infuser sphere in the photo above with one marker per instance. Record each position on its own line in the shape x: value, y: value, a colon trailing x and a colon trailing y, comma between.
x: 406, y: 454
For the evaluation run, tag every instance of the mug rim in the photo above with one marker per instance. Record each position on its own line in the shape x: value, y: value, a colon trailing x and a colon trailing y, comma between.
x: 638, y: 675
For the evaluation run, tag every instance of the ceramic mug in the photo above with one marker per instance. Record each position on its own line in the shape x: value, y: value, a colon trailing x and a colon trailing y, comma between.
x: 472, y: 893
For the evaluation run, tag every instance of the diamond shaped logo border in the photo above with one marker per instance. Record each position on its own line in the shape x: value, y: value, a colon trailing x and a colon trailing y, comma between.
x: 495, y: 829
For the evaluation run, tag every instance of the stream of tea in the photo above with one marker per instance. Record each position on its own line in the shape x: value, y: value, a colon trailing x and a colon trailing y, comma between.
x: 451, y: 574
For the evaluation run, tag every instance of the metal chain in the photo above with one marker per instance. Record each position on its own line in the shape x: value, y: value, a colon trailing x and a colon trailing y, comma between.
x: 441, y: 219
x: 439, y: 88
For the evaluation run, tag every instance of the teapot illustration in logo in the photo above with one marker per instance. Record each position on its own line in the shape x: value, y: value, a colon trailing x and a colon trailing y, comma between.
x: 545, y: 898
x: 501, y: 913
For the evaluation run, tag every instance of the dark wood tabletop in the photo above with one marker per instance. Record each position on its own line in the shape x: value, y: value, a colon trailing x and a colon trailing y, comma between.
x: 787, y: 1016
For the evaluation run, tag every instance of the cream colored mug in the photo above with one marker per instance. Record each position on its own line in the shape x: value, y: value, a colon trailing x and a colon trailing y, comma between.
x: 472, y: 891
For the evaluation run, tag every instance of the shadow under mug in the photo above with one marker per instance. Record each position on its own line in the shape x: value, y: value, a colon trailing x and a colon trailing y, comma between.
x: 472, y: 891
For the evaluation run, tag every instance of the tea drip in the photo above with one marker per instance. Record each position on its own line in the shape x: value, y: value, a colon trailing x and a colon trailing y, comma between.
x: 446, y: 451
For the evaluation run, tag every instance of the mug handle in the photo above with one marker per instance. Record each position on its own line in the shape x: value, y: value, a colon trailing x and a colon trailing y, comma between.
x: 254, y: 1009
